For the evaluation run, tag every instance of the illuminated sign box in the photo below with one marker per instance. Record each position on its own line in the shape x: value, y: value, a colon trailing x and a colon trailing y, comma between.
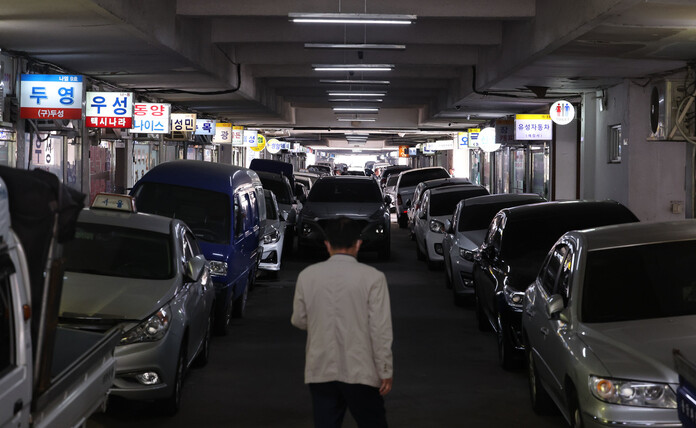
x: 533, y: 127
x: 50, y: 96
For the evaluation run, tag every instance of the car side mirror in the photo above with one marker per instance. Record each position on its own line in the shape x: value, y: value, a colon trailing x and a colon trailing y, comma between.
x: 448, y: 226
x: 194, y: 268
x: 554, y: 305
x: 387, y: 200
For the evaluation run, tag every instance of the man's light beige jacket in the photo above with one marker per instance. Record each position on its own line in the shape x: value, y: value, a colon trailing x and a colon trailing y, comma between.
x: 344, y: 306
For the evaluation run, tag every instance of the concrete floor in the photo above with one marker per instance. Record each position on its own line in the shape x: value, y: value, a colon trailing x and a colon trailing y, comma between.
x: 446, y: 372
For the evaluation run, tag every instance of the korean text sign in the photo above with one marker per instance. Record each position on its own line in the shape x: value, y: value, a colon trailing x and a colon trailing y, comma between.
x: 149, y: 118
x: 533, y: 127
x: 109, y: 110
x: 504, y: 131
x: 183, y: 122
x: 237, y: 135
x: 51, y: 96
x: 205, y: 127
x: 223, y: 133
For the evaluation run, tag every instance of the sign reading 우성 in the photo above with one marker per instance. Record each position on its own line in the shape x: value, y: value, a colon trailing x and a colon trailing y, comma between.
x: 50, y: 96
x: 109, y: 110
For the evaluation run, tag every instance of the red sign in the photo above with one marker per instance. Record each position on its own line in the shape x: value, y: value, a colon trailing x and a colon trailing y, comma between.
x: 50, y: 113
x: 109, y: 122
x: 403, y: 151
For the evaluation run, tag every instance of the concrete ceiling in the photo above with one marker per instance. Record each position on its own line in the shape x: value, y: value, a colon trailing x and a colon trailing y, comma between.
x: 465, y: 61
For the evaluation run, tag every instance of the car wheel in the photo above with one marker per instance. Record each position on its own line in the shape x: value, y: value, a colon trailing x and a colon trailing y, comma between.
x: 419, y: 253
x: 574, y: 410
x: 403, y: 221
x: 481, y: 319
x: 541, y: 401
x: 239, y: 304
x: 204, y: 353
x: 172, y: 404
x: 506, y: 351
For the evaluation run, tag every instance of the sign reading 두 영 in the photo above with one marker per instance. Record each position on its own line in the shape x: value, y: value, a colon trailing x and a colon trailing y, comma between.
x: 50, y: 96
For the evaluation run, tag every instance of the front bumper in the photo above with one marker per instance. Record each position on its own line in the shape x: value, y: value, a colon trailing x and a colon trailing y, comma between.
x: 511, y: 322
x: 462, y: 276
x: 272, y: 255
x: 434, y: 246
x: 598, y: 414
x: 310, y: 233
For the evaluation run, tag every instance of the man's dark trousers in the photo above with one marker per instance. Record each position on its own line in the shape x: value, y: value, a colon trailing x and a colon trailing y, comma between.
x: 330, y: 400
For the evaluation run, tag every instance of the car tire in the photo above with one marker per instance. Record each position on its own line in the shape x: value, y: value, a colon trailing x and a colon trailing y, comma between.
x: 541, y: 401
x: 419, y: 253
x: 171, y: 405
x: 402, y: 220
x: 204, y: 353
x: 506, y: 351
x: 574, y: 409
x: 481, y: 319
x: 239, y: 304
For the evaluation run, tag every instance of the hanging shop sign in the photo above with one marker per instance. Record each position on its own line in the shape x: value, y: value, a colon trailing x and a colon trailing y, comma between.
x: 504, y: 131
x: 474, y: 137
x: 274, y: 146
x: 440, y: 145
x: 412, y: 151
x: 487, y: 141
x: 237, y: 135
x: 109, y: 110
x: 562, y: 112
x: 205, y: 127
x: 463, y: 140
x: 286, y: 146
x: 183, y: 122
x: 43, y: 153
x: 250, y: 138
x: 151, y: 118
x: 533, y: 127
x: 260, y: 143
x: 223, y: 133
x: 403, y: 151
x: 50, y: 96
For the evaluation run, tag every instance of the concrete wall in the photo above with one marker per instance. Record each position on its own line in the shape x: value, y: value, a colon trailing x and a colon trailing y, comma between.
x: 565, y: 158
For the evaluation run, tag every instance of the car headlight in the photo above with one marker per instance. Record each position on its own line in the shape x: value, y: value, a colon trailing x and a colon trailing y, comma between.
x: 271, y: 237
x: 218, y: 268
x: 437, y: 226
x: 379, y: 229
x: 633, y: 393
x: 150, y: 330
x: 306, y: 229
x: 513, y: 297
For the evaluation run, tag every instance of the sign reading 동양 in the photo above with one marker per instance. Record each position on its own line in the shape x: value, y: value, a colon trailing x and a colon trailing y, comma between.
x: 109, y: 110
x: 151, y: 118
x: 50, y: 96
x: 533, y: 127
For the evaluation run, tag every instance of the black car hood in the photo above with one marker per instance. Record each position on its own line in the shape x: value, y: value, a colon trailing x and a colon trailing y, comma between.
x: 326, y: 210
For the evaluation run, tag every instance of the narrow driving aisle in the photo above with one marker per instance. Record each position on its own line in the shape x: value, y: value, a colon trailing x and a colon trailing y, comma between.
x: 446, y: 372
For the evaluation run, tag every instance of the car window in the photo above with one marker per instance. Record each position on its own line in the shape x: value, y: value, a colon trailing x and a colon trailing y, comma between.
x: 552, y: 267
x: 280, y: 188
x: 271, y: 212
x: 239, y: 210
x: 393, y: 178
x: 639, y: 282
x: 342, y: 190
x: 254, y: 209
x: 444, y: 203
x: 102, y: 249
x: 415, y: 177
x: 563, y: 283
x: 7, y: 336
x: 478, y: 217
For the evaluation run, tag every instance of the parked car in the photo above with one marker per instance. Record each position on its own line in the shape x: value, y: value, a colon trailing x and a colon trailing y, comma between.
x: 429, y: 222
x: 425, y: 185
x: 466, y: 230
x: 224, y: 207
x: 288, y: 204
x: 358, y: 198
x: 320, y: 169
x: 602, y: 318
x: 307, y: 178
x: 516, y: 243
x: 390, y: 189
x: 389, y: 170
x: 406, y: 185
x: 148, y: 272
x: 274, y: 237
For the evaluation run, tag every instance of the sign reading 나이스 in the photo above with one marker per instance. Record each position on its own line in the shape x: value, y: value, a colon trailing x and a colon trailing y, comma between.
x: 183, y: 122
x: 533, y: 127
x: 223, y: 133
x: 151, y: 118
x: 109, y: 110
x: 205, y: 127
x: 50, y: 96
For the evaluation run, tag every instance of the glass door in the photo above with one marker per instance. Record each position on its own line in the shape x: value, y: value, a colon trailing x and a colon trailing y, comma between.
x: 540, y: 170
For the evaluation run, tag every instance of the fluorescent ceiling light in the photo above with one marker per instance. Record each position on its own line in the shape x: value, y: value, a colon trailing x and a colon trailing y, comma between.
x: 354, y: 46
x: 351, y: 18
x: 344, y: 119
x: 356, y: 94
x: 356, y: 82
x: 352, y: 67
x: 355, y: 100
x: 355, y: 109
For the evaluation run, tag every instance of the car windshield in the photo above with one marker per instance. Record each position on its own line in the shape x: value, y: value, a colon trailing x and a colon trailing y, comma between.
x: 280, y: 189
x: 478, y: 217
x: 271, y: 213
x: 413, y: 178
x: 102, y: 249
x: 391, y: 181
x: 206, y: 213
x: 639, y: 282
x: 349, y: 190
x: 446, y: 202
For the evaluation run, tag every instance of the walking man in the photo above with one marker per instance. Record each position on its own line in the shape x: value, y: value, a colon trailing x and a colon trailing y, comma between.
x: 344, y: 306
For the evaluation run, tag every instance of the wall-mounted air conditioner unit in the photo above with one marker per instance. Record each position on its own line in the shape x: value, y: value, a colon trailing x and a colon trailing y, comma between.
x: 665, y: 99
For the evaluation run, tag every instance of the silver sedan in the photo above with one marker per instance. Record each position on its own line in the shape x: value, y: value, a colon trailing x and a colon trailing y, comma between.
x: 602, y: 318
x: 147, y: 272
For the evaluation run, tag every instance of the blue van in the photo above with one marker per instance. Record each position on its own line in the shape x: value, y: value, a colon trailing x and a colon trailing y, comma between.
x: 224, y: 207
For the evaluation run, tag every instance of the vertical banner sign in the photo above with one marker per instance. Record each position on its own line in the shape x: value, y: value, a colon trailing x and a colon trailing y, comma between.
x: 43, y: 153
x: 403, y: 151
x: 562, y: 112
x: 260, y: 143
x: 533, y: 127
x: 50, y: 96
x: 504, y: 131
x: 149, y: 118
x: 223, y: 133
x: 237, y: 135
x: 463, y: 139
x: 109, y: 110
x: 250, y: 138
x: 183, y: 122
x: 473, y: 137
x: 205, y: 127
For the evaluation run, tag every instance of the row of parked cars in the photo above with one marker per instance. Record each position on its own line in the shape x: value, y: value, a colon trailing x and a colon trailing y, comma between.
x: 589, y: 300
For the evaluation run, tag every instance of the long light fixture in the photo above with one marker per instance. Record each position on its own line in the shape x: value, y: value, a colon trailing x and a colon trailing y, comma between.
x: 351, y: 18
x: 352, y: 67
x: 355, y: 82
x: 361, y: 119
x: 355, y: 109
x: 355, y: 46
x: 355, y: 94
x: 355, y: 100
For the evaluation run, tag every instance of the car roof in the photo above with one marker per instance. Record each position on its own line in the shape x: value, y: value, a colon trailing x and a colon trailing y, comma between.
x: 200, y: 174
x: 348, y: 177
x: 454, y: 188
x: 502, y: 198
x: 554, y: 209
x: 631, y: 234
x: 417, y: 170
x: 141, y: 221
x: 438, y: 182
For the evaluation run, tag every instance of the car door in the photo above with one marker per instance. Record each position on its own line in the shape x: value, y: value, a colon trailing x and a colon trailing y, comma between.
x: 420, y: 224
x: 449, y: 241
x: 489, y: 274
x: 190, y: 296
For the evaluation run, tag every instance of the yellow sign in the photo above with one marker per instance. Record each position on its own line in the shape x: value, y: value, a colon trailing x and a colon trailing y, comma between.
x: 533, y: 117
x: 260, y: 143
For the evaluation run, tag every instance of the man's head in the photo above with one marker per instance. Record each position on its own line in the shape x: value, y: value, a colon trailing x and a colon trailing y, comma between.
x: 343, y: 236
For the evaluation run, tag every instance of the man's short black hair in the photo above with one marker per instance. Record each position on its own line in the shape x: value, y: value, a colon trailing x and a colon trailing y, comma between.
x: 342, y: 232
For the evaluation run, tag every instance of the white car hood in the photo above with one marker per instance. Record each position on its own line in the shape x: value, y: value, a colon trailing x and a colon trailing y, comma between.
x: 641, y: 350
x: 110, y: 296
